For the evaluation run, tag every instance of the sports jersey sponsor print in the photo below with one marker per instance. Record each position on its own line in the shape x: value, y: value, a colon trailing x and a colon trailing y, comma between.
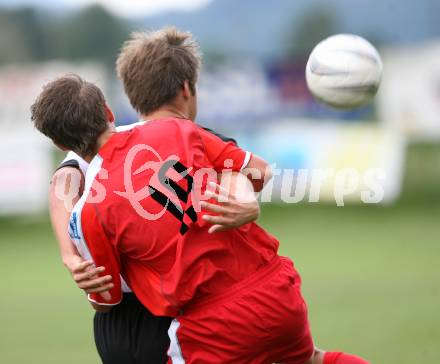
x: 73, y: 226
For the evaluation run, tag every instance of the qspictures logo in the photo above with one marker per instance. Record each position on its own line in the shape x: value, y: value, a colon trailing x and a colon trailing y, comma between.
x: 178, y: 189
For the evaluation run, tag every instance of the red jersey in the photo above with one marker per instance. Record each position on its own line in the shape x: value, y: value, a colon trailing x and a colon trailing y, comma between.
x: 139, y: 216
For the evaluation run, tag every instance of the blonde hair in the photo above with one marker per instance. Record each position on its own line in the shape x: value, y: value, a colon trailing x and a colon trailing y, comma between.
x: 153, y: 67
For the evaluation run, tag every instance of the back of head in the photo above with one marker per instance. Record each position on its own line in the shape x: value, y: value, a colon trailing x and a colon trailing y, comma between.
x: 72, y: 113
x: 153, y: 67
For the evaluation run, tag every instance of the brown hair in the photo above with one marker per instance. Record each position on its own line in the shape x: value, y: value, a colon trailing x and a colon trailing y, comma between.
x: 71, y: 112
x: 153, y: 67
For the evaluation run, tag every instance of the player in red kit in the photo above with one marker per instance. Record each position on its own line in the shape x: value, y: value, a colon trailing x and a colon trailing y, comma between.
x: 235, y: 300
x: 197, y: 272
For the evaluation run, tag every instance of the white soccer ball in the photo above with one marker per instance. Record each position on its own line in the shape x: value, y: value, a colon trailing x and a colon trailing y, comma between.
x: 344, y: 71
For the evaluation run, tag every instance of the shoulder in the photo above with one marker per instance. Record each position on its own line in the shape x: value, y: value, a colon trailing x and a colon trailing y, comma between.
x: 74, y: 160
x: 221, y: 136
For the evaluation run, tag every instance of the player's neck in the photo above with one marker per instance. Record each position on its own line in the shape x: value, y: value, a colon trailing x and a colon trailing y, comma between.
x: 168, y: 111
x: 102, y: 139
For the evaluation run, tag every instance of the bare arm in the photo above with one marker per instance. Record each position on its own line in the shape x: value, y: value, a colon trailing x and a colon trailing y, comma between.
x: 236, y: 203
x: 258, y: 172
x: 65, y: 190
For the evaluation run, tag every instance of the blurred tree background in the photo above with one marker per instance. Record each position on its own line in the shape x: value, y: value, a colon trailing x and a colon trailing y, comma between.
x: 318, y: 22
x: 31, y: 34
x: 92, y: 33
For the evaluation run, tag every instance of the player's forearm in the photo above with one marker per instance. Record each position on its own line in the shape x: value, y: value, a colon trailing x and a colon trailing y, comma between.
x: 236, y: 203
x: 258, y: 171
x: 64, y: 192
x: 100, y: 308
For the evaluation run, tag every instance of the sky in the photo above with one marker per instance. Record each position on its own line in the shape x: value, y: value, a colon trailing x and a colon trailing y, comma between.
x: 122, y: 8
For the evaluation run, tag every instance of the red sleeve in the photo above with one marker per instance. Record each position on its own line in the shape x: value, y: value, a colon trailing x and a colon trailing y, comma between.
x: 103, y: 253
x: 223, y: 155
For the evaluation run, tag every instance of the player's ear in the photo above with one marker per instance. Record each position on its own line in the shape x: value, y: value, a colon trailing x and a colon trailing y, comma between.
x: 109, y: 113
x: 187, y: 93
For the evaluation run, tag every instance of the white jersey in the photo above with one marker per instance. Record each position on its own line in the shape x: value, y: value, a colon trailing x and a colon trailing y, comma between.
x: 84, y: 167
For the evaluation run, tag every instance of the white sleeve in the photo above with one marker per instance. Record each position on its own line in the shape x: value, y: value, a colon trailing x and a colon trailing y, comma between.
x: 82, y: 164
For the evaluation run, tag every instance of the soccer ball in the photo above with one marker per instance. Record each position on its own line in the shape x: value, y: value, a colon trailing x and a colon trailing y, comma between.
x: 344, y: 71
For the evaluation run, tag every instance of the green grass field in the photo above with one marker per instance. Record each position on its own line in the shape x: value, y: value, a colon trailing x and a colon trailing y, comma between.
x: 371, y: 277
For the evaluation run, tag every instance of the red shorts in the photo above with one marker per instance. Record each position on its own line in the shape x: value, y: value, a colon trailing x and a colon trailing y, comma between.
x: 262, y: 319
